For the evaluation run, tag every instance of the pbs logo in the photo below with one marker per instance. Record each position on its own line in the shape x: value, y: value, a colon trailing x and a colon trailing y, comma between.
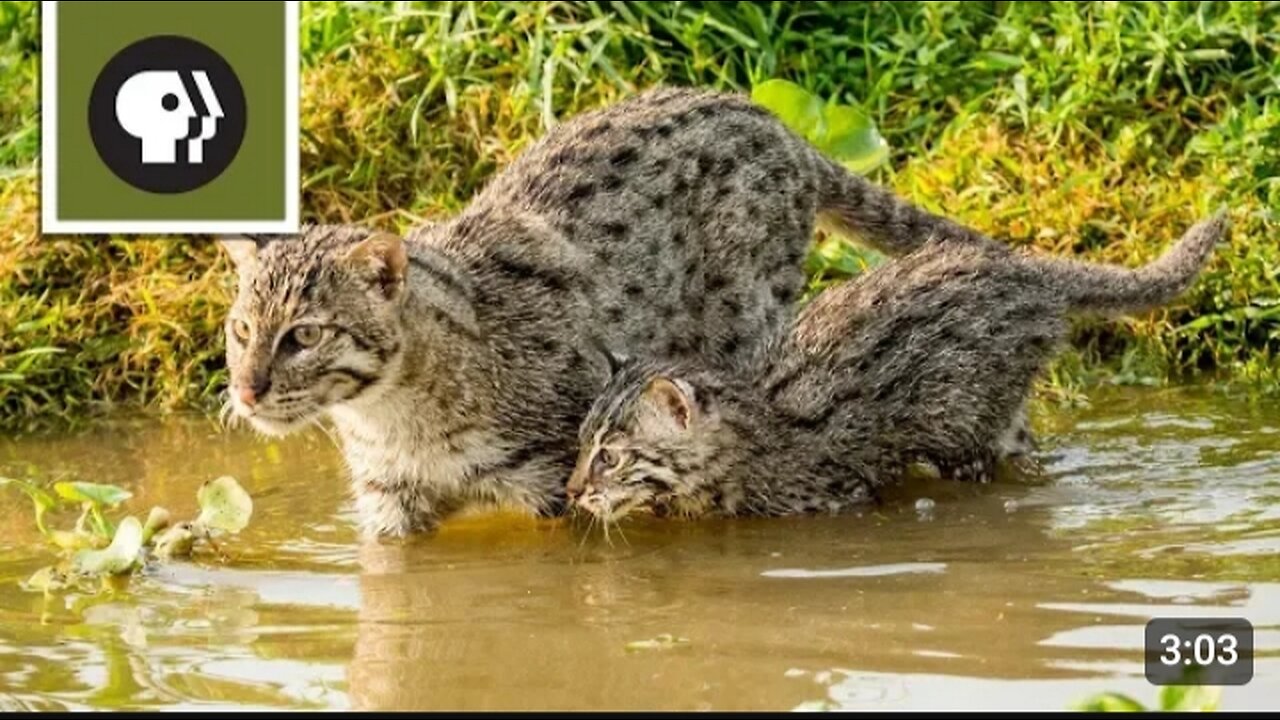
x: 167, y: 114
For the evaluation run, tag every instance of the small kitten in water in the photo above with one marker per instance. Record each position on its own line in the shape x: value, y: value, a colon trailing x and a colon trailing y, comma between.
x: 929, y: 358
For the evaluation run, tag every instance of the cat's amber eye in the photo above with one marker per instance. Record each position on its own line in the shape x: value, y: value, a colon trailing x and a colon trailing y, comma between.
x: 241, y: 330
x: 308, y: 335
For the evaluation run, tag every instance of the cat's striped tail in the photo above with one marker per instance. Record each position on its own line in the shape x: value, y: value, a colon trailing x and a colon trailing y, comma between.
x: 856, y: 207
x: 1108, y: 289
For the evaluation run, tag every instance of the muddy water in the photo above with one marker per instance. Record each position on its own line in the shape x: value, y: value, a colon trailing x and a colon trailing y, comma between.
x: 1019, y: 595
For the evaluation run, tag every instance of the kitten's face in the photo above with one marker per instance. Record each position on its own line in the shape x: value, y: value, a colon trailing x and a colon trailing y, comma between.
x: 315, y: 323
x: 635, y: 449
x: 611, y: 479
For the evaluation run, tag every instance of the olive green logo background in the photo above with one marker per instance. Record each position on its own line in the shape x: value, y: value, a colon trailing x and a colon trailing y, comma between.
x: 257, y: 192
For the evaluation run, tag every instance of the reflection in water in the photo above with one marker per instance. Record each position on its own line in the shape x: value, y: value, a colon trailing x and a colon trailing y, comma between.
x: 1013, y: 596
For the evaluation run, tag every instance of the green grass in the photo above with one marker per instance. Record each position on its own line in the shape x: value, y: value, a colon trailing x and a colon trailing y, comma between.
x: 1097, y: 129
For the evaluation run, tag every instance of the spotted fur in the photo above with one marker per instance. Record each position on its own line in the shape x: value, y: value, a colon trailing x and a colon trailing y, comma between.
x: 927, y: 359
x: 671, y: 225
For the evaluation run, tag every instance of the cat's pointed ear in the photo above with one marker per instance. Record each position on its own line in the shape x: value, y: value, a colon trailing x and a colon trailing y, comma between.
x: 384, y: 258
x: 667, y: 407
x: 242, y: 250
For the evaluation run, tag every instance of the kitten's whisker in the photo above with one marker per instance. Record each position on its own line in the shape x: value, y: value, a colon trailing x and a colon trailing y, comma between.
x: 622, y: 535
x: 604, y: 522
x: 591, y: 523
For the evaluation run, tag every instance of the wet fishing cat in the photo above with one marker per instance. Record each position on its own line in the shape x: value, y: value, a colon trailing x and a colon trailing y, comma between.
x: 456, y: 363
x: 928, y: 358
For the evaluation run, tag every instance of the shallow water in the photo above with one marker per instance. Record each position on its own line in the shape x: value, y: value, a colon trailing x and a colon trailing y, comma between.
x: 1031, y: 594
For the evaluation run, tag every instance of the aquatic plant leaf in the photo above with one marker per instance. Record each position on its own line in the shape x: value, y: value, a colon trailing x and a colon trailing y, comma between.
x: 175, y: 542
x: 224, y: 505
x: 797, y: 108
x: 43, y: 501
x: 852, y: 138
x: 119, y: 557
x: 1110, y: 702
x: 36, y: 494
x: 157, y: 520
x: 103, y: 495
x: 1190, y: 698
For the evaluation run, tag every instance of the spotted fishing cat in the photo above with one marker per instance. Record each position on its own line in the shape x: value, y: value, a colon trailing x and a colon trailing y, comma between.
x: 928, y: 358
x: 456, y: 362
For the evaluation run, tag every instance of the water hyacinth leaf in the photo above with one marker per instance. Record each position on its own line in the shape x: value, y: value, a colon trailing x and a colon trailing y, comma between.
x: 119, y: 557
x: 1190, y: 698
x: 852, y: 139
x: 158, y: 520
x: 224, y: 505
x: 176, y: 542
x: 94, y: 493
x: 43, y: 501
x: 796, y: 107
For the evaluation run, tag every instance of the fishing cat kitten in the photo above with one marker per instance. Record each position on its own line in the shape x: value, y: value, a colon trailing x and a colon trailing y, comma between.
x: 927, y: 358
x: 457, y: 363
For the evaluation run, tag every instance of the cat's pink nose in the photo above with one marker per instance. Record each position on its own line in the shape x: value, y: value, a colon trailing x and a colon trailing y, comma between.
x: 246, y: 395
x: 250, y: 393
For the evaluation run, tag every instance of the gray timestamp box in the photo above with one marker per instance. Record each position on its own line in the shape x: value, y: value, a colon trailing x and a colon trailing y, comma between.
x: 1199, y: 651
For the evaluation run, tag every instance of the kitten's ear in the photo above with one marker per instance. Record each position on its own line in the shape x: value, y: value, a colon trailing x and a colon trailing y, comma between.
x: 667, y: 407
x: 384, y: 258
x: 241, y: 249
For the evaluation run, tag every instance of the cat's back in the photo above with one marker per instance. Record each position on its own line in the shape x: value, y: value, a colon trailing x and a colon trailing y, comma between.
x: 944, y: 332
x: 888, y: 303
x: 691, y: 209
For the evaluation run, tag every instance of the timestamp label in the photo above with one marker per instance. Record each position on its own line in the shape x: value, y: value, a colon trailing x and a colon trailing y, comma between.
x: 1199, y: 651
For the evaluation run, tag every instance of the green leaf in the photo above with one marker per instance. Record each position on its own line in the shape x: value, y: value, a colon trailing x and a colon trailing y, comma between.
x: 1190, y: 698
x: 176, y: 542
x: 104, y: 495
x: 852, y: 139
x: 797, y: 108
x: 1110, y: 702
x: 158, y: 520
x: 43, y: 501
x: 224, y: 505
x: 119, y: 557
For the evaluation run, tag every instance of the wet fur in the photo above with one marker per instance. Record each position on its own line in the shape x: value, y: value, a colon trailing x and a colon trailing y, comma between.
x: 929, y: 358
x: 670, y: 226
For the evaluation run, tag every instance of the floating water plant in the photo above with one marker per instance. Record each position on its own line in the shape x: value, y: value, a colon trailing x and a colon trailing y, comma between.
x: 97, y: 549
x: 1173, y: 698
